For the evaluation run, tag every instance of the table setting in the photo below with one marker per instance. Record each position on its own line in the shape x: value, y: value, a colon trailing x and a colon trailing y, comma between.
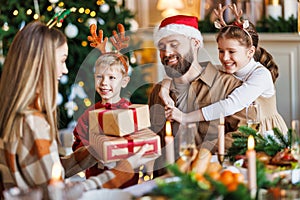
x: 242, y: 171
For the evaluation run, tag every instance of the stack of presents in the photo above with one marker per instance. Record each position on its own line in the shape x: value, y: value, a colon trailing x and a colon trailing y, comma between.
x: 119, y: 133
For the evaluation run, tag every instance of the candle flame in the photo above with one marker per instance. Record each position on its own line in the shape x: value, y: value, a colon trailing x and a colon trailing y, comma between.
x: 168, y: 128
x: 251, y: 142
x: 222, y: 120
x: 56, y: 172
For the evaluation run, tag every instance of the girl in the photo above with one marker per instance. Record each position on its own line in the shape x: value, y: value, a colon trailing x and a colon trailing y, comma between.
x: 240, y: 55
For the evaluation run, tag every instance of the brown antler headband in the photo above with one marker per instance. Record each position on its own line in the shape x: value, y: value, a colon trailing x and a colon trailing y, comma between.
x: 220, y: 22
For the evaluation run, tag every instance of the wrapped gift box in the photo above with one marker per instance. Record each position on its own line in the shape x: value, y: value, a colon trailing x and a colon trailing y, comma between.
x: 111, y: 148
x: 119, y: 122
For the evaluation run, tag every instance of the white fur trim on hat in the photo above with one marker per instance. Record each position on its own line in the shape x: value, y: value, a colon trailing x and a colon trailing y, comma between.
x: 171, y: 29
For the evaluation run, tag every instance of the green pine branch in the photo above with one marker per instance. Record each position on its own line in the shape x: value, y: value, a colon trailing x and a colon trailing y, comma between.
x: 270, y: 145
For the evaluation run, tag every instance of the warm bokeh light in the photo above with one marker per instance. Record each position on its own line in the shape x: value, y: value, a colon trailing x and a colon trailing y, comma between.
x: 87, y: 102
x: 81, y: 10
x: 16, y: 12
x: 36, y: 16
x: 93, y: 14
x: 29, y: 12
x: 81, y: 83
x: 84, y: 43
x: 49, y: 8
x: 87, y: 11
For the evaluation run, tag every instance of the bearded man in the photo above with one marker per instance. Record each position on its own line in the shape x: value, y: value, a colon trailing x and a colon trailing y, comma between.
x: 195, y: 83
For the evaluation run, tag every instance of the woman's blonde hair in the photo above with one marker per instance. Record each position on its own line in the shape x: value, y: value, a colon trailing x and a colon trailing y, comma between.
x: 29, y: 78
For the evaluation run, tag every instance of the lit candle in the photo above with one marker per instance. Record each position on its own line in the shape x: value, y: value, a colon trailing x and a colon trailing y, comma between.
x: 169, y: 139
x: 56, y: 186
x: 251, y: 156
x: 221, y: 135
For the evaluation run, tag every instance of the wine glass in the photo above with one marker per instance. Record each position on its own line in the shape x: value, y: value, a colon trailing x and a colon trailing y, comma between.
x: 253, y: 116
x: 187, y: 144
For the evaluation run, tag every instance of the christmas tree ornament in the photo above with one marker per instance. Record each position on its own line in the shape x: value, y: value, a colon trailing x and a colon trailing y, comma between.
x: 133, y: 24
x: 64, y: 79
x: 90, y: 21
x: 104, y: 8
x: 5, y: 26
x: 53, y: 1
x: 101, y: 21
x: 71, y: 30
x: 59, y: 99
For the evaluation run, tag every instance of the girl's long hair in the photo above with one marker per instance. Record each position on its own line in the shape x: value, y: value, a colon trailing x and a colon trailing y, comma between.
x: 29, y: 79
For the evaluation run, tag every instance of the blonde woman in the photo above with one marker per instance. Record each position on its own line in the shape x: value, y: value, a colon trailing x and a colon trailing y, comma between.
x: 28, y: 125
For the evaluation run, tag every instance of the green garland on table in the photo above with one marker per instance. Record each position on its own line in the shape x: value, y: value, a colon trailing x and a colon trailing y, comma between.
x: 265, y: 25
x: 186, y: 186
x: 270, y: 144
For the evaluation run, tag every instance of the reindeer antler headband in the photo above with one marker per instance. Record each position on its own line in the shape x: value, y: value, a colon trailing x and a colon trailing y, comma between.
x: 220, y: 22
x: 119, y: 41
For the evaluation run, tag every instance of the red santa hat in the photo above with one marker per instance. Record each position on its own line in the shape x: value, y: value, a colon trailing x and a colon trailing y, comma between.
x: 179, y: 24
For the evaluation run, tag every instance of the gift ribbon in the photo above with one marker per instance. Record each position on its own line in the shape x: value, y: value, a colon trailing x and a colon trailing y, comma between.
x: 130, y: 143
x: 135, y: 122
x: 109, y: 107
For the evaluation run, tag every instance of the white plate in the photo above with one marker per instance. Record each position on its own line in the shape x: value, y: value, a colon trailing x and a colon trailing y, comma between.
x: 106, y: 194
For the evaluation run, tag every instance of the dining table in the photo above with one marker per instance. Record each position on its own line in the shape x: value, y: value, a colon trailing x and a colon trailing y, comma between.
x: 140, y: 191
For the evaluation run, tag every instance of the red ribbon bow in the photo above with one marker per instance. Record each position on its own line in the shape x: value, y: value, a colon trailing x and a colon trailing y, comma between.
x: 123, y: 105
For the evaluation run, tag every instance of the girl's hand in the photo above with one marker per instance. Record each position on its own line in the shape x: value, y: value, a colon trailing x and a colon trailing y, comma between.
x: 173, y: 113
x: 164, y: 95
x: 97, y: 40
x: 195, y: 45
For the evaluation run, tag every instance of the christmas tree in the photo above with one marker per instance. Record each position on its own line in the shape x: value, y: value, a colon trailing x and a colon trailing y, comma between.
x: 76, y: 90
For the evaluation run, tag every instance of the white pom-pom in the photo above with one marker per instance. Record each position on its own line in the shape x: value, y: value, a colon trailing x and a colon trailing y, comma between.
x: 245, y: 24
x: 217, y: 25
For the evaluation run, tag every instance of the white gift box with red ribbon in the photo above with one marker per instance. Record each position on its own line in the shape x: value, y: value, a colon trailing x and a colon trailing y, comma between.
x: 111, y: 148
x: 119, y: 122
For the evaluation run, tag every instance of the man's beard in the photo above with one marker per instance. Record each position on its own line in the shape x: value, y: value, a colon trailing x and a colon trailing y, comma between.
x: 178, y: 70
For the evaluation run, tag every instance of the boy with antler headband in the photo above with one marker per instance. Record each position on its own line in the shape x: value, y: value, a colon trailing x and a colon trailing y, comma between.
x: 111, y: 74
x: 241, y: 56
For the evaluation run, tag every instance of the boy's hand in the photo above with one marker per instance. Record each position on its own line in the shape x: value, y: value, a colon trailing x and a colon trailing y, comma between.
x: 137, y: 159
x: 97, y: 40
